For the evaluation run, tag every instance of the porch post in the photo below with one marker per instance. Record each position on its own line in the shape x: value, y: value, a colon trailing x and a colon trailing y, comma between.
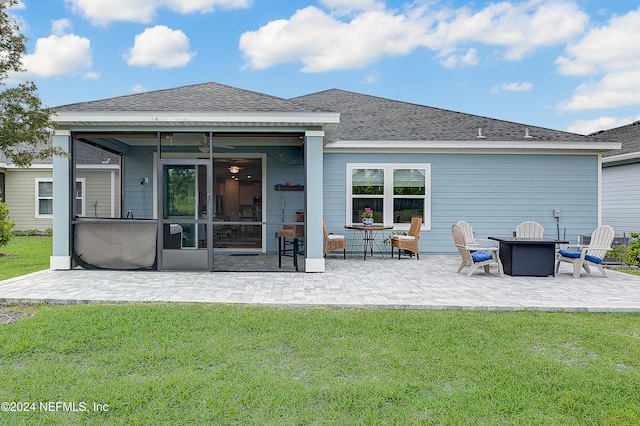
x: 313, y: 201
x: 62, y: 188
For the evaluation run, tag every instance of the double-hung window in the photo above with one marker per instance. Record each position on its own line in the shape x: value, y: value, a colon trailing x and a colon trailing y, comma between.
x: 44, y: 197
x: 395, y: 192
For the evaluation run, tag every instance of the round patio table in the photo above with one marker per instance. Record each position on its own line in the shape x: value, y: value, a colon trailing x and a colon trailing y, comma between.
x: 368, y: 233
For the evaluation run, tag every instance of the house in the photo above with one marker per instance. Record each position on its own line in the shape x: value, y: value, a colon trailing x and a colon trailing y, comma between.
x: 28, y: 191
x: 621, y: 180
x: 209, y: 168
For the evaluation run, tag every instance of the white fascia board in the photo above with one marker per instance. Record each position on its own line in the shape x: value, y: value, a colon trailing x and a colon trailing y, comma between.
x: 631, y: 157
x: 31, y: 167
x: 468, y: 146
x: 151, y: 118
x: 97, y: 167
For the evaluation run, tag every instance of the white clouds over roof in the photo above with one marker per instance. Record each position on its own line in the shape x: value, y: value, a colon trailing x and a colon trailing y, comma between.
x: 161, y: 47
x: 58, y: 55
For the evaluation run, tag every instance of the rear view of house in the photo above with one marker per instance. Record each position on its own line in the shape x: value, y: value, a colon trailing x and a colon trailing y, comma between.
x: 210, y: 169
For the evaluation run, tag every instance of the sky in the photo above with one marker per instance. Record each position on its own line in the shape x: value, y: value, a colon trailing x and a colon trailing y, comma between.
x: 571, y: 65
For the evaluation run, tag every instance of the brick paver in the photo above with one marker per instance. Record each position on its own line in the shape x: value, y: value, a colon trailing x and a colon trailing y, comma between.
x: 428, y: 283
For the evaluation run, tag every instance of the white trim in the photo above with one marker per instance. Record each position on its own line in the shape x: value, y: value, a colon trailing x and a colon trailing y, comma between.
x: 112, y: 194
x: 61, y: 132
x: 452, y: 146
x: 388, y: 195
x: 83, y: 200
x: 630, y: 157
x: 314, y: 133
x: 60, y: 262
x: 314, y: 265
x: 38, y: 215
x: 599, y: 189
x: 186, y: 118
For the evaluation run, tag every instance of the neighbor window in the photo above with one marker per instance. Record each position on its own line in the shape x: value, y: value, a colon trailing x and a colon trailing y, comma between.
x: 395, y: 192
x: 44, y: 198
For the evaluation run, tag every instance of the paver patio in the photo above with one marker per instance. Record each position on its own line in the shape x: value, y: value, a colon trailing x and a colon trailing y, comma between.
x: 428, y: 283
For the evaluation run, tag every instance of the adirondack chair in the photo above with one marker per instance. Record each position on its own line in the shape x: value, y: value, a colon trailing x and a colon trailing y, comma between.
x: 588, y: 255
x: 410, y: 241
x: 470, y: 238
x: 530, y: 230
x: 474, y: 256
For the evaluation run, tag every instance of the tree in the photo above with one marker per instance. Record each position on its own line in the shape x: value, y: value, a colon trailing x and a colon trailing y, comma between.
x: 5, y: 225
x: 25, y: 126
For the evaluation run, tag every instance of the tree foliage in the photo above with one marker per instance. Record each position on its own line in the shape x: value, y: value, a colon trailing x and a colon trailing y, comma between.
x: 5, y: 225
x: 25, y: 126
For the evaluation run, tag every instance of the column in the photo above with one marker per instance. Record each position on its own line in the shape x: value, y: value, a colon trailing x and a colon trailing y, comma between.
x: 62, y: 192
x: 314, y: 201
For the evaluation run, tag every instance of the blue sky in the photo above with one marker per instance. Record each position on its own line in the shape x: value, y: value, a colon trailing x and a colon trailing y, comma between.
x: 564, y: 64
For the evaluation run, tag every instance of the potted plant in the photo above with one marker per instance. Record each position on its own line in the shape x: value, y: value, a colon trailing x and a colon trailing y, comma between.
x: 367, y: 216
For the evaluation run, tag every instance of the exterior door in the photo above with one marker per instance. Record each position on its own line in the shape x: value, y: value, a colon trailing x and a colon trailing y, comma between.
x: 185, y: 232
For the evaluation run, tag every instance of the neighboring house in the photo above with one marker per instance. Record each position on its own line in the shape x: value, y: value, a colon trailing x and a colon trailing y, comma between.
x: 210, y: 169
x: 28, y: 191
x: 621, y: 180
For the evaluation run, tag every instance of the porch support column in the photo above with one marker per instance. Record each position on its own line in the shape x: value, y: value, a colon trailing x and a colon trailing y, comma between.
x: 313, y: 201
x: 62, y: 188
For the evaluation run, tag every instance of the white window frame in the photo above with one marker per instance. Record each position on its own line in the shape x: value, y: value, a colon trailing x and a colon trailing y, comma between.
x: 38, y: 215
x: 388, y: 196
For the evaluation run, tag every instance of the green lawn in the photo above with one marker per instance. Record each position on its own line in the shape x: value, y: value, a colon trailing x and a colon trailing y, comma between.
x: 24, y: 255
x: 219, y: 364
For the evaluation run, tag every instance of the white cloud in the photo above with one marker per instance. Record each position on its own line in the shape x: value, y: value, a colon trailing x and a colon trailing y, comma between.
x: 102, y: 12
x: 60, y: 26
x: 458, y: 60
x: 611, y: 52
x: 322, y: 42
x: 347, y: 7
x: 585, y: 127
x: 160, y: 46
x: 614, y: 90
x: 371, y: 78
x: 138, y: 88
x: 58, y: 56
x: 524, y: 86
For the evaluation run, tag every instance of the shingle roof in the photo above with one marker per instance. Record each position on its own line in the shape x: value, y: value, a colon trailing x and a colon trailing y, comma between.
x: 362, y: 117
x: 365, y: 117
x: 206, y: 97
x: 629, y: 135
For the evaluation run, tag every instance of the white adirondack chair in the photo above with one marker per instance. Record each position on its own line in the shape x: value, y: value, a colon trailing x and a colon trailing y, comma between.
x: 589, y: 255
x: 529, y: 230
x: 471, y: 240
x: 474, y: 256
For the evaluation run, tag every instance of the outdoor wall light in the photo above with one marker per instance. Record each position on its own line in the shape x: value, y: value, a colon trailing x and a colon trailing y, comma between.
x: 234, y: 169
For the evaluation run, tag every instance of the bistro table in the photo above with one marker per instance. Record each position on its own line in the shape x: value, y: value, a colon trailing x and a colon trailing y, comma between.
x: 368, y: 233
x: 531, y: 257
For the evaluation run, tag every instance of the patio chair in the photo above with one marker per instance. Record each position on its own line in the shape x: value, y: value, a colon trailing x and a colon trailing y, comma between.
x: 589, y: 255
x: 530, y: 229
x: 333, y: 242
x: 408, y: 242
x: 470, y: 238
x: 289, y: 240
x: 474, y: 256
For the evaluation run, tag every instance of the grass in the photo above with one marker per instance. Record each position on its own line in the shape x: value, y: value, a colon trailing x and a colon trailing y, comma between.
x: 231, y: 365
x: 24, y: 255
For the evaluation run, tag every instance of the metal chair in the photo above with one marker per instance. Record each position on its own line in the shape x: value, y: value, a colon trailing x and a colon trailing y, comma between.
x: 289, y: 240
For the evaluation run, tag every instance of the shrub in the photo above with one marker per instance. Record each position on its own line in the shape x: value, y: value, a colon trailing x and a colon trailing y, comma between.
x: 5, y: 225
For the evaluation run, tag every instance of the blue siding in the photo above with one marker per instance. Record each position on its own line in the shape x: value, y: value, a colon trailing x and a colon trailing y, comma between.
x: 621, y: 198
x: 494, y: 193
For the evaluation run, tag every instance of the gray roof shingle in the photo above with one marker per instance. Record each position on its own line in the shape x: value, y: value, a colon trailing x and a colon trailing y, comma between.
x: 362, y: 117
x: 365, y: 117
x: 205, y: 97
x: 629, y: 135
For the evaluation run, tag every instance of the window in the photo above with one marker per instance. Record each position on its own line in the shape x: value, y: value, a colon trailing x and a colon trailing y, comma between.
x: 395, y: 192
x: 44, y: 198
